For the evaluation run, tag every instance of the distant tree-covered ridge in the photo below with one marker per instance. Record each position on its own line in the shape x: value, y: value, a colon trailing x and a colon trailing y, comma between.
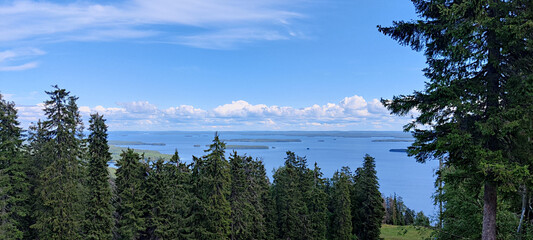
x: 55, y: 184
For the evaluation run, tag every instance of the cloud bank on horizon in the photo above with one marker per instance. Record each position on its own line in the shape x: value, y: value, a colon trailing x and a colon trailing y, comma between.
x: 351, y: 113
x: 209, y: 24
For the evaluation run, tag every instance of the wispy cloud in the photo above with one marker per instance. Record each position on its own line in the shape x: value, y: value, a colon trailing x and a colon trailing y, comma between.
x: 18, y: 59
x: 351, y: 113
x: 215, y: 24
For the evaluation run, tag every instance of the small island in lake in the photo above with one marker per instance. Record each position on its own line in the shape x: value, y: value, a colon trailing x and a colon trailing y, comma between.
x: 398, y: 150
x: 246, y: 147
x: 262, y: 140
x: 117, y: 142
x: 393, y: 140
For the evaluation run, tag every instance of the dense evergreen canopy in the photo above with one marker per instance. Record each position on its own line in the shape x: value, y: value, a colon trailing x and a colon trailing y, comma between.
x: 58, y: 185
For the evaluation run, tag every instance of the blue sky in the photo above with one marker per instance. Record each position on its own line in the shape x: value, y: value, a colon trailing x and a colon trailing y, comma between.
x: 209, y: 64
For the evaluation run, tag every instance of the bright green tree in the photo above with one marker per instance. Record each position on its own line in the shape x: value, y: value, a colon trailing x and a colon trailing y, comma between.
x: 479, y: 94
x: 61, y: 210
x: 14, y: 185
x: 99, y: 215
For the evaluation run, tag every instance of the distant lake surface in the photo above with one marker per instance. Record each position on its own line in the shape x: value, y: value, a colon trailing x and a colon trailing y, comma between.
x: 397, y: 172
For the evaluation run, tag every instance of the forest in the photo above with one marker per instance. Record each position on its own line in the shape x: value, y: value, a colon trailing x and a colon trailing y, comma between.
x: 55, y: 184
x: 474, y: 115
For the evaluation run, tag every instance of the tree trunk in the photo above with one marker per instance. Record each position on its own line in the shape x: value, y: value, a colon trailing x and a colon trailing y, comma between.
x: 524, y: 205
x: 489, y: 211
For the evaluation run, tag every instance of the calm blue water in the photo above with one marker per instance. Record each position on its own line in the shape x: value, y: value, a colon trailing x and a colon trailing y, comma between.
x: 397, y: 172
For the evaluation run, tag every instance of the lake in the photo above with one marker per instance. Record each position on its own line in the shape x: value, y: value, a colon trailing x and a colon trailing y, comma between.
x: 397, y: 172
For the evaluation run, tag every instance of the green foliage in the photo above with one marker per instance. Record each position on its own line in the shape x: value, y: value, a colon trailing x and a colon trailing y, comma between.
x: 421, y: 220
x: 341, y: 219
x: 99, y: 220
x: 59, y: 190
x: 249, y: 198
x: 391, y: 232
x: 318, y: 205
x: 475, y: 110
x: 367, y: 208
x: 291, y: 185
x: 74, y: 191
x: 211, y: 188
x: 14, y: 185
x: 147, y: 154
x: 130, y: 196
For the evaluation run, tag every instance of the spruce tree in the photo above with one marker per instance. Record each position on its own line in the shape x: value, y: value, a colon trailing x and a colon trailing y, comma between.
x: 318, y: 206
x: 14, y: 185
x: 242, y: 209
x: 130, y: 196
x: 266, y: 203
x: 368, y: 206
x: 181, y: 200
x: 60, y: 213
x: 341, y: 219
x: 478, y: 100
x: 211, y: 183
x: 291, y: 194
x: 99, y: 216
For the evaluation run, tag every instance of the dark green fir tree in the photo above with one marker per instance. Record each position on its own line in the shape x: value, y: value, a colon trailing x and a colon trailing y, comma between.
x: 341, y: 216
x: 59, y: 191
x: 14, y: 182
x: 99, y: 215
x: 475, y: 110
x: 242, y: 208
x: 130, y: 196
x: 211, y: 186
x: 290, y: 198
x: 318, y: 205
x: 367, y: 207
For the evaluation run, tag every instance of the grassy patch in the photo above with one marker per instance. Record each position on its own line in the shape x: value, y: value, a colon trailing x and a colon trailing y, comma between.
x: 390, y: 232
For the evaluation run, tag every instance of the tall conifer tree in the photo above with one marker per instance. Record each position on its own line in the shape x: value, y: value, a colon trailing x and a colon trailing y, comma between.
x: 211, y: 180
x: 14, y: 185
x: 368, y: 208
x: 341, y: 219
x: 318, y: 205
x: 291, y: 192
x: 130, y: 196
x: 242, y: 210
x: 480, y: 92
x: 99, y: 219
x: 60, y: 192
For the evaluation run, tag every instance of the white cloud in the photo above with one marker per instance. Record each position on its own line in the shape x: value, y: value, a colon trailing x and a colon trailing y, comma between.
x: 222, y: 22
x: 139, y: 107
x: 17, y: 59
x: 351, y: 113
x: 185, y: 111
x: 22, y: 67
